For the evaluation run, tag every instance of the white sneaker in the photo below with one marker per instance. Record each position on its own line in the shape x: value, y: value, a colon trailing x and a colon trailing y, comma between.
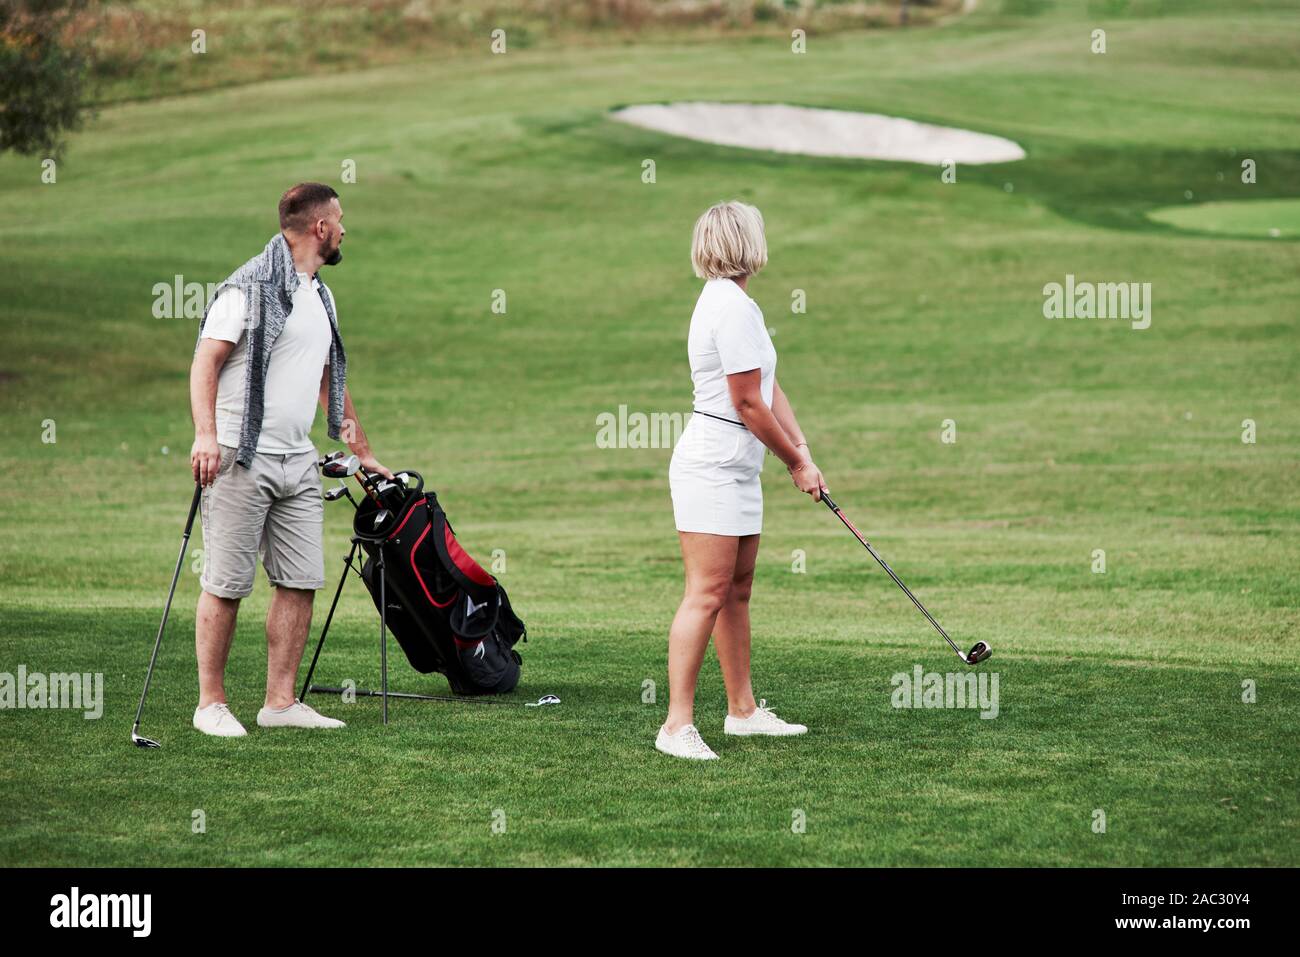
x: 762, y: 721
x: 686, y: 743
x: 217, y: 720
x: 297, y: 715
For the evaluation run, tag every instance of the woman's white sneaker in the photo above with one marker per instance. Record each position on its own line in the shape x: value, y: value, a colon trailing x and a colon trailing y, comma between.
x: 686, y: 743
x: 762, y: 721
x: 297, y: 715
x: 217, y: 720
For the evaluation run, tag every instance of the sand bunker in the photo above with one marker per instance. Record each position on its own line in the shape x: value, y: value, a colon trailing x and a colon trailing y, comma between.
x: 814, y: 132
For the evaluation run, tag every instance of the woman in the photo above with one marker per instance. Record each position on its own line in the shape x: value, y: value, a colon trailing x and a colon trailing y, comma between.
x: 740, y: 411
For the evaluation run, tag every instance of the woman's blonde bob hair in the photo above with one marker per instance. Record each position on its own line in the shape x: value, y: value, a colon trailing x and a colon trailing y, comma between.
x: 729, y: 242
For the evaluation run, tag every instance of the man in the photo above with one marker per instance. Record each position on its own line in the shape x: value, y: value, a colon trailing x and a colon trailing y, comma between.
x: 268, y: 352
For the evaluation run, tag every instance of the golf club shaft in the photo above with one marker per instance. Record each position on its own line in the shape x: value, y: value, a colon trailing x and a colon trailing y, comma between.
x: 376, y: 481
x: 366, y: 693
x: 383, y: 629
x: 176, y: 574
x: 363, y: 480
x: 830, y: 503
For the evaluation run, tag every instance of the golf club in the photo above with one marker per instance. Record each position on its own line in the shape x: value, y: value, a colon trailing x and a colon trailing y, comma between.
x: 370, y: 482
x: 387, y: 492
x: 334, y: 494
x: 975, y: 655
x: 546, y: 699
x: 335, y: 465
x: 136, y: 739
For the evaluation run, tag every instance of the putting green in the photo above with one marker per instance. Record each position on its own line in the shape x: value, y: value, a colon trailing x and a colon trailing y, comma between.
x: 1269, y: 218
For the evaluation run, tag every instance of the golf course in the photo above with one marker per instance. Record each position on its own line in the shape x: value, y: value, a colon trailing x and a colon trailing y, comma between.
x: 1112, y: 504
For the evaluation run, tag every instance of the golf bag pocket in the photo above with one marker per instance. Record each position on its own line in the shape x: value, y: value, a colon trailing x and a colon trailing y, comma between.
x: 485, y: 651
x: 474, y: 621
x: 490, y: 663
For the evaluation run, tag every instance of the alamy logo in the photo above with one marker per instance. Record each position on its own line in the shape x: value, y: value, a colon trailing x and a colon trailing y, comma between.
x: 930, y: 689
x: 179, y: 299
x: 638, y: 430
x: 1105, y: 300
x: 78, y: 692
x: 103, y: 910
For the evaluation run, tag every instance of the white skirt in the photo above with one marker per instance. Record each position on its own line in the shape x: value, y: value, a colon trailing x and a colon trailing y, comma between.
x: 714, y: 479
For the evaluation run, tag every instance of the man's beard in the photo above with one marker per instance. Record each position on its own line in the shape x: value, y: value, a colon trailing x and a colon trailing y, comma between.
x: 335, y: 257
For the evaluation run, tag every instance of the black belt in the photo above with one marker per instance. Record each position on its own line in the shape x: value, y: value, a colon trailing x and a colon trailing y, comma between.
x: 720, y: 418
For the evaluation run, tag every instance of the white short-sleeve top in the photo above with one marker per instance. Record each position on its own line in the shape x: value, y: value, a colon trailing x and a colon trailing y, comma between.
x: 728, y: 335
x: 299, y: 357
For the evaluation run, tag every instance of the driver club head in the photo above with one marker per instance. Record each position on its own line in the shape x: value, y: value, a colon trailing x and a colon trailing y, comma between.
x: 141, y: 742
x: 341, y: 467
x: 978, y: 653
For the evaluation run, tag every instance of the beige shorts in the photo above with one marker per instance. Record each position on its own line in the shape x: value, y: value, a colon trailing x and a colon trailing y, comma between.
x: 272, y: 509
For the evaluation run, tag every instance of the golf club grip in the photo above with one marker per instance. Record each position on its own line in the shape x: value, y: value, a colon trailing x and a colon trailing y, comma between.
x: 194, y: 508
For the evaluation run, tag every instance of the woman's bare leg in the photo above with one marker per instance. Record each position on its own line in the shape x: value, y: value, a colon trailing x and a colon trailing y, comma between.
x: 731, y: 633
x: 710, y: 562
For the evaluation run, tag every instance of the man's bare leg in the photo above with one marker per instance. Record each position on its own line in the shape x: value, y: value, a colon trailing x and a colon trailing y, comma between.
x: 287, y: 625
x: 214, y: 629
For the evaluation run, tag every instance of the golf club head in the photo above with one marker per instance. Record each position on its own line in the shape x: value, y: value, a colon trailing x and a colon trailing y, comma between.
x: 141, y: 742
x: 336, y: 493
x: 326, y: 459
x: 978, y: 653
x: 382, y: 516
x: 341, y: 467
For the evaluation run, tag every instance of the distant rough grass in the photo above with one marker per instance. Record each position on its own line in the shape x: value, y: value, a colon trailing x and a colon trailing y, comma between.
x: 144, y: 48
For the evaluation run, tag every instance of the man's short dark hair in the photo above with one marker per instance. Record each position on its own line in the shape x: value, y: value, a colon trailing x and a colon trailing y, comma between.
x: 300, y: 205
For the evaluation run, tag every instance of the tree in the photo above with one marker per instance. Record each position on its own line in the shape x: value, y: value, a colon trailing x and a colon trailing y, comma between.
x: 42, y: 75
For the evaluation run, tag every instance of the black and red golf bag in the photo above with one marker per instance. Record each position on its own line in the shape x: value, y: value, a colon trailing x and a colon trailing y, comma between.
x: 448, y: 613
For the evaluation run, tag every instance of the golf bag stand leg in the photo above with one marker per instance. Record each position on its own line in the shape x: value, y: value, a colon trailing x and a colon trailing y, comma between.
x: 383, y: 630
x: 157, y: 642
x: 347, y: 567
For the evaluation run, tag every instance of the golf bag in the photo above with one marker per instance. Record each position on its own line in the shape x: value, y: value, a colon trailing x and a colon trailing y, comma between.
x: 448, y: 613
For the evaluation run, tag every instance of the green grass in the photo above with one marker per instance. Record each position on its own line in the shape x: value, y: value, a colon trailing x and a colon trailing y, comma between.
x: 1273, y: 219
x: 1119, y: 692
